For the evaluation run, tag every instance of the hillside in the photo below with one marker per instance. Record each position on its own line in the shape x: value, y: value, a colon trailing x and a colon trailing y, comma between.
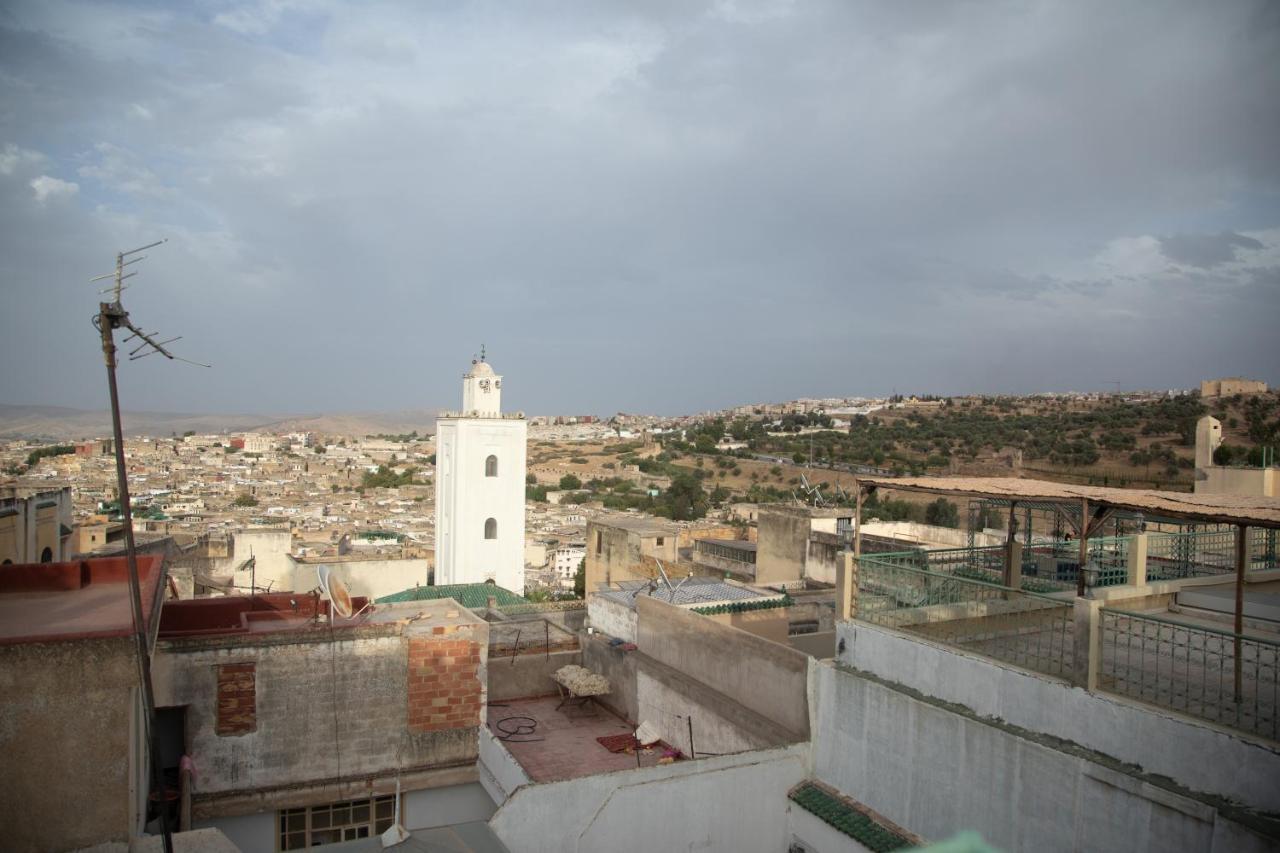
x: 57, y: 423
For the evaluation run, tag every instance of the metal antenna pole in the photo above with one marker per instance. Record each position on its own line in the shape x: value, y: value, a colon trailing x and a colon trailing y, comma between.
x: 109, y: 317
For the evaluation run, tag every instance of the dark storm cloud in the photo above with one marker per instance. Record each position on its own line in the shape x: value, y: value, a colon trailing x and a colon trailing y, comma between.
x: 1206, y: 250
x: 656, y: 207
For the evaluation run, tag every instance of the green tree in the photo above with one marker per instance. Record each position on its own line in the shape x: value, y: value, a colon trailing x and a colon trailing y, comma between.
x: 570, y: 482
x: 245, y: 500
x: 531, y: 479
x: 580, y: 580
x: 942, y: 513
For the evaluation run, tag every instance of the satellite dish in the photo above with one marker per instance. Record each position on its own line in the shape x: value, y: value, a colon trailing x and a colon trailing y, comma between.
x: 339, y: 597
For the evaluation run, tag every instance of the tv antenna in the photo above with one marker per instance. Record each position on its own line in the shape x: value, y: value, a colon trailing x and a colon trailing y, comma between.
x: 111, y: 316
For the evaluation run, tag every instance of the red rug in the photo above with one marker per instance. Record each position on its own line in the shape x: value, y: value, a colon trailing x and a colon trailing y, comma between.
x: 617, y: 743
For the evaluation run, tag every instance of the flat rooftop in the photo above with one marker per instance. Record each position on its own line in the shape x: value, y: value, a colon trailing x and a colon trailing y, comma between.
x: 562, y: 743
x: 77, y: 600
x: 736, y: 544
x: 694, y: 590
x: 642, y: 525
x: 244, y: 615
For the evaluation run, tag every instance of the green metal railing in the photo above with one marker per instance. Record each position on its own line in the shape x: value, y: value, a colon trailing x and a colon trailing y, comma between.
x: 1191, y: 669
x: 1018, y: 627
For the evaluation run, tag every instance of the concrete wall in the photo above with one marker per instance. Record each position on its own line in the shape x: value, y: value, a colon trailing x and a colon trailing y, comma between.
x: 620, y: 668
x: 611, y: 618
x: 936, y: 769
x: 500, y: 773
x: 770, y: 624
x: 766, y: 677
x: 269, y: 549
x: 443, y: 806
x: 1196, y: 755
x: 782, y: 544
x: 251, y: 833
x: 527, y: 674
x: 65, y: 746
x: 323, y: 710
x: 370, y: 578
x: 913, y: 533
x: 823, y: 557
x: 689, y: 805
x: 1255, y: 482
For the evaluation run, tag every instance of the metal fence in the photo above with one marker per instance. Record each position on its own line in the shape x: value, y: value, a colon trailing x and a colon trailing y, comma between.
x: 1022, y: 628
x: 1191, y: 669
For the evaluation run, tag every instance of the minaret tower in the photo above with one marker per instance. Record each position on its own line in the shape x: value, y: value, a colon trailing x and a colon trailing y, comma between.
x: 480, y: 471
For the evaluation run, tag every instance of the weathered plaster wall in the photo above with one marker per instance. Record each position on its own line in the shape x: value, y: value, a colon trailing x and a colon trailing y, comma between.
x: 527, y: 674
x: 730, y: 803
x: 60, y: 788
x: 611, y: 618
x: 323, y: 710
x: 782, y: 543
x: 936, y: 769
x: 370, y: 578
x: 500, y: 773
x: 1199, y: 756
x: 768, y: 678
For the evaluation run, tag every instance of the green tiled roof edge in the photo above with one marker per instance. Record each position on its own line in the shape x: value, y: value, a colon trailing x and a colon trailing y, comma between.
x: 850, y: 821
x: 469, y: 595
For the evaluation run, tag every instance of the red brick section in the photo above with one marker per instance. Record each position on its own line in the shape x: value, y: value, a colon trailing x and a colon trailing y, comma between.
x: 237, y: 699
x: 444, y: 688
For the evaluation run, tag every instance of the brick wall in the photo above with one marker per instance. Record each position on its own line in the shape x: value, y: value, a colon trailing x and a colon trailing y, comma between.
x: 443, y: 684
x: 237, y: 699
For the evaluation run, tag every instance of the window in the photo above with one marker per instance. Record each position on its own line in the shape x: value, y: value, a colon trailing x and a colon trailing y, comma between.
x: 491, y: 466
x: 599, y: 541
x: 661, y: 540
x: 491, y: 528
x: 312, y: 826
x: 46, y: 556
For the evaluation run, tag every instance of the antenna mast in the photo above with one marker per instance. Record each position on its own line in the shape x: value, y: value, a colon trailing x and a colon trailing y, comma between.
x: 111, y: 316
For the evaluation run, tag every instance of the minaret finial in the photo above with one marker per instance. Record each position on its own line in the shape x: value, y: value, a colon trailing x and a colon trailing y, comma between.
x: 482, y: 352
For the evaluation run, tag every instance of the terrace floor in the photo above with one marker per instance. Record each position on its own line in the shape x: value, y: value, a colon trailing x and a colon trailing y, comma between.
x: 563, y: 742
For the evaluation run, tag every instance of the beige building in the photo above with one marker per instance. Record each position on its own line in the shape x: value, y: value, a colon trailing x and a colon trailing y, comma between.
x: 1231, y: 386
x: 1226, y: 480
x: 35, y: 524
x: 617, y: 547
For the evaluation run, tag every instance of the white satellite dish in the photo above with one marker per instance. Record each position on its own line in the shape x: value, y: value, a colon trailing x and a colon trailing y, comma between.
x: 339, y: 597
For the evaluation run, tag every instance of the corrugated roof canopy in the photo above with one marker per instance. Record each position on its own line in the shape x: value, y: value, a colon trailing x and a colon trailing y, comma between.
x: 1220, y: 509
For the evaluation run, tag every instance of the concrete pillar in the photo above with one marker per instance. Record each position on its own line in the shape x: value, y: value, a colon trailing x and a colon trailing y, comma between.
x: 847, y: 588
x: 1087, y: 654
x: 1138, y: 560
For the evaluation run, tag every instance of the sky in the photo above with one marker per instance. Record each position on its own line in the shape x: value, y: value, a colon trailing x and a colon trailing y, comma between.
x: 661, y: 207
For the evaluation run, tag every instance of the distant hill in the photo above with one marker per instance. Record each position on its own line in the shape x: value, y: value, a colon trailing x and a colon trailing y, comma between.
x: 58, y: 423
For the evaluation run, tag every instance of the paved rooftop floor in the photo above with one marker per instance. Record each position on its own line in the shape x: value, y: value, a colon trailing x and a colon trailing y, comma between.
x: 563, y: 744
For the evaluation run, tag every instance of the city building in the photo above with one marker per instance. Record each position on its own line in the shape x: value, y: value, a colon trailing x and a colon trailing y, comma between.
x: 1212, y: 478
x: 1231, y: 386
x: 35, y: 524
x: 480, y: 480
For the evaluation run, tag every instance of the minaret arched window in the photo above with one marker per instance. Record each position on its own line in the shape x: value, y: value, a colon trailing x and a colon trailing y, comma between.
x: 491, y: 528
x: 491, y: 466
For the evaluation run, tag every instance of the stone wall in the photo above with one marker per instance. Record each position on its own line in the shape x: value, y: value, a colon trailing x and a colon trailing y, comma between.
x: 59, y: 788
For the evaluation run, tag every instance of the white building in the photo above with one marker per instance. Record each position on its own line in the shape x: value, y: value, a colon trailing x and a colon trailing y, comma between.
x: 564, y: 561
x: 480, y: 471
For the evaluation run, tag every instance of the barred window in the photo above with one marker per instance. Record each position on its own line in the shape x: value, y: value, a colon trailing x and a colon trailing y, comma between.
x: 312, y: 826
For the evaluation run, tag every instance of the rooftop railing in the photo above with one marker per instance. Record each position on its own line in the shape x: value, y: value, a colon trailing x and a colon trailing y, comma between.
x: 1014, y: 626
x: 1192, y: 669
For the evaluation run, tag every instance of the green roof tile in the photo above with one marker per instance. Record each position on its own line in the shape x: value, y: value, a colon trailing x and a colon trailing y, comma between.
x: 469, y: 595
x: 848, y: 820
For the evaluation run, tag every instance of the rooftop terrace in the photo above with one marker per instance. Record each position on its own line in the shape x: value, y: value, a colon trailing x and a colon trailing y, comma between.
x: 78, y: 600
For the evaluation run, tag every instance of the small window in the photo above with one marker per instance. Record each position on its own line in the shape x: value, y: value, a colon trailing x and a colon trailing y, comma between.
x: 599, y: 541
x: 46, y: 556
x: 491, y: 466
x: 491, y: 528
x: 661, y: 541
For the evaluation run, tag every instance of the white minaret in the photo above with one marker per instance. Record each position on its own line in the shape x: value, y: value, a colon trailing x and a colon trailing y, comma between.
x: 480, y: 470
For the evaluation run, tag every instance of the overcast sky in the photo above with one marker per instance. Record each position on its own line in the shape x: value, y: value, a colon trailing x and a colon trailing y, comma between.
x: 661, y: 206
